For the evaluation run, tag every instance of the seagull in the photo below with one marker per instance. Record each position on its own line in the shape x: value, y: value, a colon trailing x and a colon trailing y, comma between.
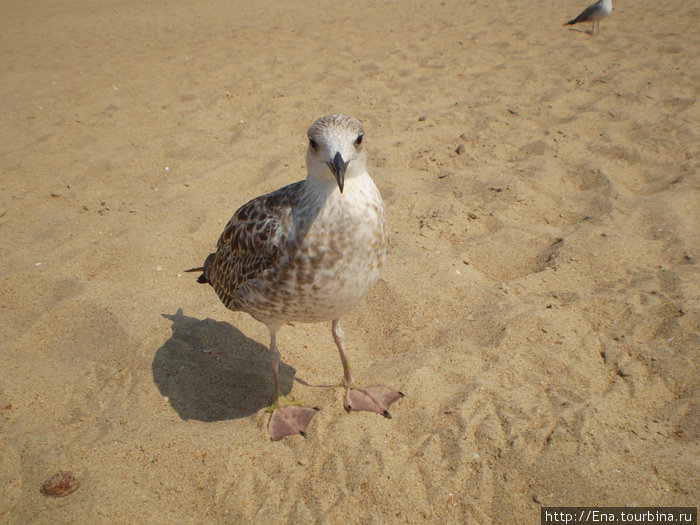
x: 593, y: 13
x: 308, y: 252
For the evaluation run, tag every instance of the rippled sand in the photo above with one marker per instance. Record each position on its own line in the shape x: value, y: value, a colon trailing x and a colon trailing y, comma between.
x: 539, y: 307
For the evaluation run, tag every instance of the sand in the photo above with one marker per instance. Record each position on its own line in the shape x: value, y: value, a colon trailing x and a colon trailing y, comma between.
x: 539, y: 306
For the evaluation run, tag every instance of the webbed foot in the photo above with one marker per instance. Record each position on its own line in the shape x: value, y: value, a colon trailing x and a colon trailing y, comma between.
x: 289, y: 420
x: 371, y: 399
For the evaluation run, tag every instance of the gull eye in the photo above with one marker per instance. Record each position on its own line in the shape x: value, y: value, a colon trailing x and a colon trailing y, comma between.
x: 313, y: 143
x: 358, y: 140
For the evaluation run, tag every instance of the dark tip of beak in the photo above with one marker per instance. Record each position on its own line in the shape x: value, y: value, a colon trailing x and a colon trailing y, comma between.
x: 338, y: 167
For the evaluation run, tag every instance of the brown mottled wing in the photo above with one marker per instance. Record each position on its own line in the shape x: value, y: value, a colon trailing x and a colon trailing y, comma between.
x: 250, y: 243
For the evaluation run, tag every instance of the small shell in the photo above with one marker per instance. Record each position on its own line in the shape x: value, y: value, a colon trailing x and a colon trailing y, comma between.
x: 60, y: 485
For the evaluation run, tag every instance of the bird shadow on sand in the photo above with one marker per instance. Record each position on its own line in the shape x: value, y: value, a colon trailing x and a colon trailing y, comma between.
x: 577, y: 30
x: 210, y: 371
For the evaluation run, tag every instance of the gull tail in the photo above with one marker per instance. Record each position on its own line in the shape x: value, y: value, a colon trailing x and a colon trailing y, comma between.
x: 202, y: 279
x: 582, y: 17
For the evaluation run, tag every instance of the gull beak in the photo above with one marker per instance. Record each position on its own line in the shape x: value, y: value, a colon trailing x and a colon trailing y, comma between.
x: 338, y: 168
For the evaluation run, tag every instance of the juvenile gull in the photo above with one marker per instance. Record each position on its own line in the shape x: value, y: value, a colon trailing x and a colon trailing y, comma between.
x: 593, y: 13
x: 308, y: 252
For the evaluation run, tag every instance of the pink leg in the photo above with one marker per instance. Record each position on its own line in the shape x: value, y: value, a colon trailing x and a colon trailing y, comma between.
x: 288, y: 418
x: 372, y: 398
x: 338, y: 337
x: 275, y: 358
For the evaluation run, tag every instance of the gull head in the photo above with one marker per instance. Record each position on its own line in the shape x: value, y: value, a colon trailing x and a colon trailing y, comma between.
x: 336, y: 149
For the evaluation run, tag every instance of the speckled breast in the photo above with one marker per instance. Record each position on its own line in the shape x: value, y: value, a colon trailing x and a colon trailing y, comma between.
x: 327, y: 270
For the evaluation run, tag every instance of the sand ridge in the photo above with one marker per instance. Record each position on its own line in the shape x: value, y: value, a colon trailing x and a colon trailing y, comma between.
x: 539, y: 306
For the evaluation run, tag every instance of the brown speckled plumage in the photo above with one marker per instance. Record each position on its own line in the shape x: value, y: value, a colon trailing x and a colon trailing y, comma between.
x: 250, y: 244
x: 307, y: 252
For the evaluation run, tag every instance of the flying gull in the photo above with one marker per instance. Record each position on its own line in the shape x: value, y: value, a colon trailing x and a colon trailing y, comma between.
x: 593, y: 13
x: 308, y: 252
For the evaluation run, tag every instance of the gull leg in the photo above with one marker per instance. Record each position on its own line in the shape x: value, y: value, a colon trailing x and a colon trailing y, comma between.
x: 338, y: 337
x: 372, y: 398
x: 288, y: 417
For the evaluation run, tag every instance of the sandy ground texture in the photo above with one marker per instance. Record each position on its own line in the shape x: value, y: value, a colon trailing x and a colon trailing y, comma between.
x: 539, y: 306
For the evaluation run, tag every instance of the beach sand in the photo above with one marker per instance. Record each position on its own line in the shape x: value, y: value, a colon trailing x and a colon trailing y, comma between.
x: 539, y: 306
